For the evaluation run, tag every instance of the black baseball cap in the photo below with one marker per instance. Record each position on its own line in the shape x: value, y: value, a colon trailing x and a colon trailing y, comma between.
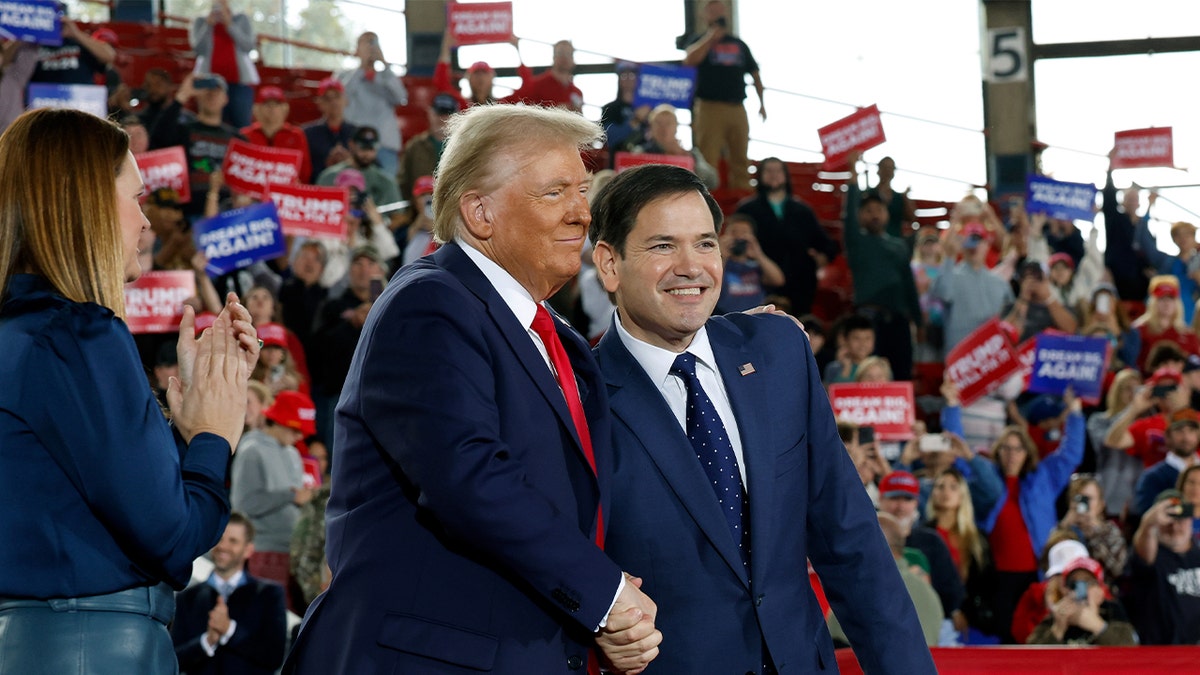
x: 366, y: 137
x: 444, y: 104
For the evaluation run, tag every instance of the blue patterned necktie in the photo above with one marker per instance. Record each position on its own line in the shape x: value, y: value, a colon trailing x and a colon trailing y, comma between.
x: 715, y: 452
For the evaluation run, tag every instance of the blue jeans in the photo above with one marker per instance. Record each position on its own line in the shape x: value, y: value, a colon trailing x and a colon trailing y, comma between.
x: 237, y: 111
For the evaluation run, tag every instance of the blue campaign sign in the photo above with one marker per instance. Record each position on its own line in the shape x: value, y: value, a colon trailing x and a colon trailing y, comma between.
x: 239, y: 238
x: 34, y: 21
x: 1069, y: 360
x: 1060, y: 200
x: 90, y: 98
x: 665, y: 84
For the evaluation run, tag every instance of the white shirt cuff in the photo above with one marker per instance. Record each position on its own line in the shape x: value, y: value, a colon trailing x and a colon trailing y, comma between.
x: 604, y: 620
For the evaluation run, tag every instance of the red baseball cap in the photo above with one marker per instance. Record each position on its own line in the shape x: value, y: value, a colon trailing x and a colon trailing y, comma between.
x: 899, y: 484
x: 1084, y: 563
x: 1165, y: 375
x: 423, y: 186
x: 1063, y: 258
x: 293, y: 410
x: 1165, y: 291
x: 480, y: 67
x: 270, y: 93
x: 107, y: 35
x: 330, y: 83
x: 273, y: 335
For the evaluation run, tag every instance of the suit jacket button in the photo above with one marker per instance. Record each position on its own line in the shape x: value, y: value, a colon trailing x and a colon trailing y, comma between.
x: 758, y: 601
x: 574, y: 662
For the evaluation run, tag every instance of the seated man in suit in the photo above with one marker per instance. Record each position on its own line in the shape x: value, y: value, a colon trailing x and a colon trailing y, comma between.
x: 728, y: 471
x: 233, y: 623
x: 472, y: 462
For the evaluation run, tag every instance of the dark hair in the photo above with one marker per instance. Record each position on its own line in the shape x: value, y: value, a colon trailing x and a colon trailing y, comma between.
x: 869, y: 196
x: 616, y: 207
x: 1163, y: 351
x: 239, y: 518
x: 856, y: 322
x: 813, y: 325
x: 787, y: 176
x: 738, y: 217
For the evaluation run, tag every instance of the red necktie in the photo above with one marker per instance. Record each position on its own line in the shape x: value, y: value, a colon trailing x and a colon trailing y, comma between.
x: 543, y: 325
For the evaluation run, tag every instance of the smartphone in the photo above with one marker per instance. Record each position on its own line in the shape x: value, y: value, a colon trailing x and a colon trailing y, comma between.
x: 376, y: 289
x: 1104, y: 303
x: 739, y: 247
x: 205, y: 82
x: 721, y: 22
x: 866, y: 435
x: 1161, y: 390
x: 1081, y: 591
x: 933, y: 443
x: 1183, y: 511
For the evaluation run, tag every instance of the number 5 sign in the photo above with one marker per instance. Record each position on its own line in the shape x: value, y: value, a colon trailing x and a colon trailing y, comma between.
x: 1006, y: 55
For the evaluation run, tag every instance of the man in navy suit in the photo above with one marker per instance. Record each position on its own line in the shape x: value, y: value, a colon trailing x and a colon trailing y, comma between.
x: 472, y: 472
x: 233, y: 623
x: 728, y: 471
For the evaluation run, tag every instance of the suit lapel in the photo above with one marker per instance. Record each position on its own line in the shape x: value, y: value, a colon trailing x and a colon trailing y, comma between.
x: 453, y: 259
x: 636, y: 401
x: 748, y: 401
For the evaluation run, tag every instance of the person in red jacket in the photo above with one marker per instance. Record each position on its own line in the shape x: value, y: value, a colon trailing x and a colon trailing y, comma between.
x: 272, y: 129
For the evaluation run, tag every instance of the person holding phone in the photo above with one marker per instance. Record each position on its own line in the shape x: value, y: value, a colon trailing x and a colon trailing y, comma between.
x: 1085, y: 517
x: 223, y: 40
x: 1140, y: 428
x: 372, y: 93
x: 1163, y: 599
x: 748, y: 271
x: 1082, y: 613
x: 1182, y: 439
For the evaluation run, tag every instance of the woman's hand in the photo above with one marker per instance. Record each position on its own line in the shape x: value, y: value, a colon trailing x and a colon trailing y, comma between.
x: 214, y: 399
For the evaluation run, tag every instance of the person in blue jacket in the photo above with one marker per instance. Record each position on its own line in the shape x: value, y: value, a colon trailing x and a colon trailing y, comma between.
x: 103, y: 504
x: 1024, y: 514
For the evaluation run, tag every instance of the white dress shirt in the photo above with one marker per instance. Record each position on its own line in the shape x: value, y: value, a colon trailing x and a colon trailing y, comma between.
x: 657, y: 363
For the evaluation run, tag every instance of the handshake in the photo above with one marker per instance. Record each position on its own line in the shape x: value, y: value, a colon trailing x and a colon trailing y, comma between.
x: 628, y: 642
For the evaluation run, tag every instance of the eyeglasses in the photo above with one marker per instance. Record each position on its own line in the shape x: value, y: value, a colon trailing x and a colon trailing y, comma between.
x: 1014, y: 448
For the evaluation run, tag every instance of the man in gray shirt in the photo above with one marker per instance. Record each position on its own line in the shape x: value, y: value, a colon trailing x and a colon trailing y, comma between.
x: 372, y: 93
x: 971, y: 292
x: 267, y: 482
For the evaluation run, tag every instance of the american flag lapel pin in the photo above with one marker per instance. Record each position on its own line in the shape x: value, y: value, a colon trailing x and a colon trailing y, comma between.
x: 746, y: 369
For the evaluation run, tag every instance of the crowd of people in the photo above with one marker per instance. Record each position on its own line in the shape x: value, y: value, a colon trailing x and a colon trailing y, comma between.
x: 1030, y: 519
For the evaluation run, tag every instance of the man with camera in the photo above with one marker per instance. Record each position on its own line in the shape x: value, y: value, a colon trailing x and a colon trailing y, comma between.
x: 1165, y: 591
x: 747, y: 268
x: 719, y: 120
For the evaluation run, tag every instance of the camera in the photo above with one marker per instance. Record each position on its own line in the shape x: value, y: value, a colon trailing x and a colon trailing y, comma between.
x: 739, y: 247
x: 1183, y: 511
x: 1082, y: 504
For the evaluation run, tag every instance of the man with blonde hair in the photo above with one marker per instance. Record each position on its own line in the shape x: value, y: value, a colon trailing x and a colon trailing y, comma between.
x: 468, y: 518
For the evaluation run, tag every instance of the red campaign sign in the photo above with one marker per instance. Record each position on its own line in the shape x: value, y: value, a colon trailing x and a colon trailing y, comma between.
x: 154, y: 303
x: 254, y: 169
x: 312, y: 472
x: 628, y: 160
x: 860, y: 131
x: 480, y: 23
x: 312, y: 211
x: 166, y: 168
x: 1026, y: 355
x: 887, y: 406
x: 1143, y: 147
x: 982, y: 362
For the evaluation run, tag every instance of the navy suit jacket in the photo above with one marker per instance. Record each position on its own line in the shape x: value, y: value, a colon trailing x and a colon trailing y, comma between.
x: 806, y: 502
x: 256, y: 647
x: 461, y: 520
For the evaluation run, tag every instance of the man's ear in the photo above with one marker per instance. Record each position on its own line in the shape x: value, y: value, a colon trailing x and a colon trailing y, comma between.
x: 604, y: 257
x: 475, y: 216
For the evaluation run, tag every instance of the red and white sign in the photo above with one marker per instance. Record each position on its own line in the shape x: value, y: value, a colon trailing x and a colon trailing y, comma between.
x: 312, y: 472
x: 154, y: 303
x: 1143, y: 147
x: 887, y: 406
x: 166, y: 168
x: 480, y: 23
x: 254, y: 169
x: 1026, y: 354
x: 982, y: 362
x: 628, y: 160
x: 312, y: 211
x: 860, y: 131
